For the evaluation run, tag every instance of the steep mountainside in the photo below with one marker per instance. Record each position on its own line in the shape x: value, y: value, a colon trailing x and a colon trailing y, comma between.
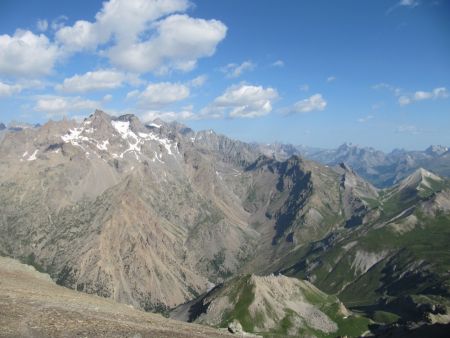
x: 399, y: 255
x: 113, y: 207
x: 276, y: 305
x: 152, y: 214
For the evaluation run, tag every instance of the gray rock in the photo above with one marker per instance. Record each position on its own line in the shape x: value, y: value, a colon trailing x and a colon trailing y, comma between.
x: 235, y: 327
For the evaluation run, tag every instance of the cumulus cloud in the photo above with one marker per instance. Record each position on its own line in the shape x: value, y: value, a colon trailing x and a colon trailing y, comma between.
x: 59, y: 22
x: 98, y: 80
x: 233, y: 70
x: 168, y: 116
x: 161, y: 94
x: 314, y: 103
x: 408, y: 129
x: 331, y: 79
x: 436, y: 93
x: 60, y: 105
x: 9, y: 90
x: 146, y: 35
x: 198, y: 81
x: 42, y: 25
x: 403, y: 3
x: 404, y: 100
x: 107, y: 98
x: 81, y: 36
x: 178, y: 43
x: 26, y: 55
x: 304, y: 87
x: 278, y: 63
x: 132, y: 94
x: 365, y: 118
x: 409, y: 3
x: 395, y: 90
x: 243, y: 100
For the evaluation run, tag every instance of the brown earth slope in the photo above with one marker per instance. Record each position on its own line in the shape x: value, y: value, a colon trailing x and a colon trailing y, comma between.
x: 31, y: 305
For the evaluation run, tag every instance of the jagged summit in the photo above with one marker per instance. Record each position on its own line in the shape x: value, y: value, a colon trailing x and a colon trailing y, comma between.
x: 436, y: 150
x: 419, y: 179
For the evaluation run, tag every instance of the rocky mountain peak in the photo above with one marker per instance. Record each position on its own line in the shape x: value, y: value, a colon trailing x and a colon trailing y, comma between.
x: 436, y: 150
x: 419, y: 180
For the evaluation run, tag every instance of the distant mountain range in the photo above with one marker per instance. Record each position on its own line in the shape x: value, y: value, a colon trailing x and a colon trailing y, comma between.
x: 379, y: 168
x: 157, y: 215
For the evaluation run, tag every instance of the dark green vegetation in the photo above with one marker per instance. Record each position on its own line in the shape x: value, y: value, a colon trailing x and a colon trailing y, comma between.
x: 400, y: 257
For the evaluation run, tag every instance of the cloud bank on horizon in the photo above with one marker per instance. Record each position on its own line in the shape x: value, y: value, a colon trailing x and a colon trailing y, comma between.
x: 206, y: 63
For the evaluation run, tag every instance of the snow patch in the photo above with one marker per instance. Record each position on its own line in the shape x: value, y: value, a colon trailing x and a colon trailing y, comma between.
x: 103, y: 145
x: 33, y: 156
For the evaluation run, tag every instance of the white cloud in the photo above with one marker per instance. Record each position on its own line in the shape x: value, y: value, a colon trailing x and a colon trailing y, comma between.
x: 233, y: 70
x: 243, y: 101
x: 97, y: 80
x: 59, y: 105
x: 9, y: 90
x: 314, y: 103
x: 81, y: 36
x: 127, y: 19
x: 403, y: 3
x: 365, y: 118
x: 404, y: 100
x: 198, y: 81
x: 440, y: 93
x: 132, y: 94
x: 395, y: 90
x: 304, y: 87
x: 178, y: 43
x: 42, y: 25
x: 59, y: 22
x: 26, y: 55
x: 278, y: 63
x: 142, y: 44
x: 409, y: 3
x: 162, y: 94
x: 168, y: 116
x: 408, y: 129
x: 421, y: 95
x: 107, y: 98
x: 331, y: 79
x: 436, y: 93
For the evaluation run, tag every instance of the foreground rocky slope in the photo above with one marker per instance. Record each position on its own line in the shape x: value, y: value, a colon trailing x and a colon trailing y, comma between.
x: 31, y: 305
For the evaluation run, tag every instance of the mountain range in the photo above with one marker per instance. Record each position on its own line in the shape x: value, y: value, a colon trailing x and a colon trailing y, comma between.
x: 379, y: 168
x: 180, y: 222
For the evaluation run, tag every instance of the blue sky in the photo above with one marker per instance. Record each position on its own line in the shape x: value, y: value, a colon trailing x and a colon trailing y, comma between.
x: 319, y: 73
